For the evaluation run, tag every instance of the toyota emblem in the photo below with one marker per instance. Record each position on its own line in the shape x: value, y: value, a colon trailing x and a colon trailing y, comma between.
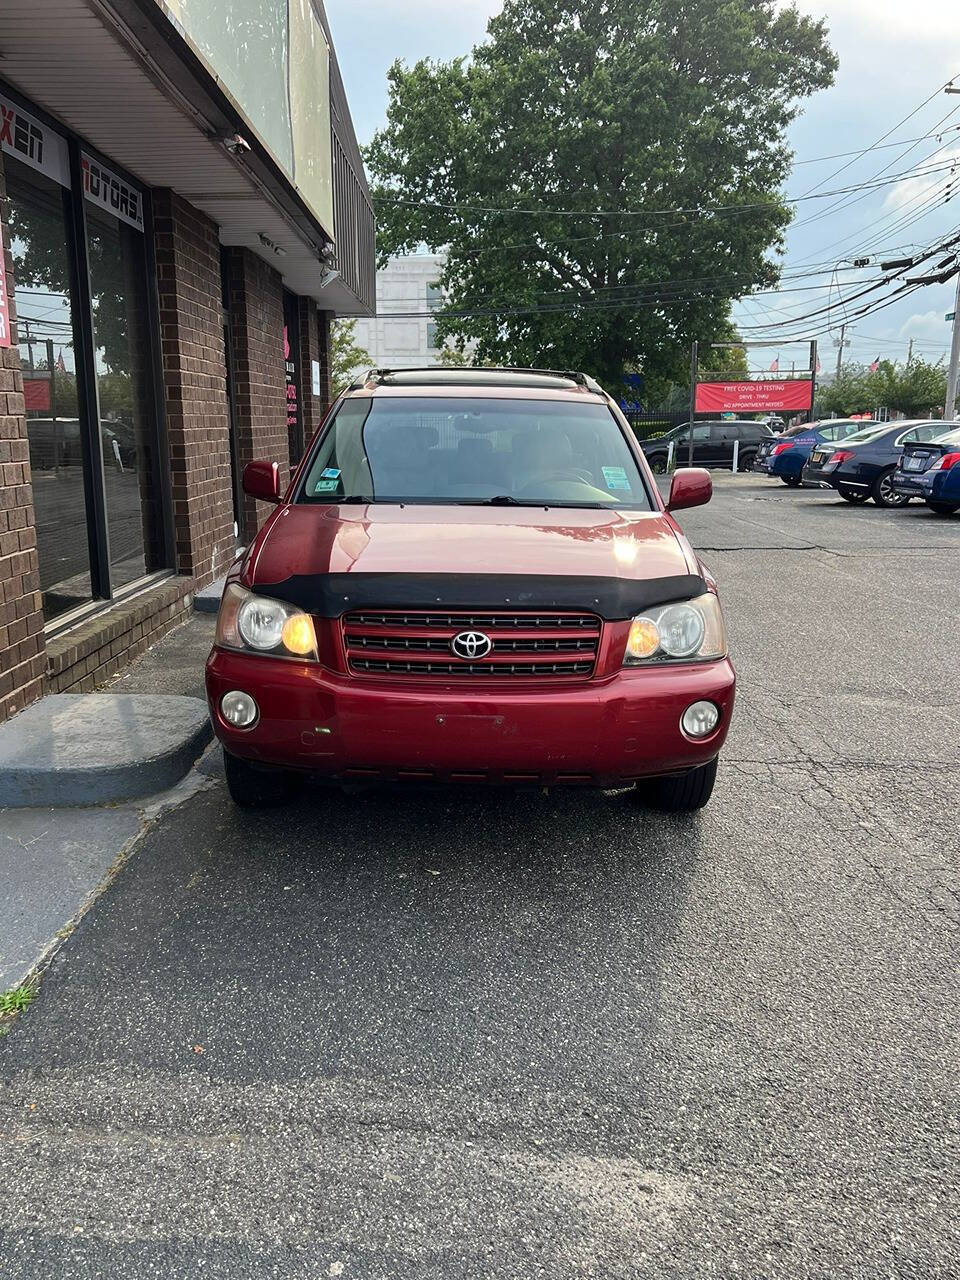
x: 471, y: 645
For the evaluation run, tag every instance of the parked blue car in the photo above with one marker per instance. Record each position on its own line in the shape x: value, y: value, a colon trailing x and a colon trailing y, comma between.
x: 789, y: 456
x: 863, y: 465
x: 931, y: 471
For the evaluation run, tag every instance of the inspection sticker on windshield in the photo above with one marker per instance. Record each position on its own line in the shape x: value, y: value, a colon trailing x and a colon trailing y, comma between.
x: 330, y: 473
x: 615, y: 477
x: 326, y: 486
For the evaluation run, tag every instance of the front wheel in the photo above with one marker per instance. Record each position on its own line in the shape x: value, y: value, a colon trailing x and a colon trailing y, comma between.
x: 253, y: 787
x: 943, y: 508
x: 884, y: 494
x: 792, y: 482
x: 852, y: 495
x: 679, y: 795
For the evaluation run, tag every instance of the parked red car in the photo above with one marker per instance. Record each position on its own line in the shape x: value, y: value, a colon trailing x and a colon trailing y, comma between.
x: 472, y: 577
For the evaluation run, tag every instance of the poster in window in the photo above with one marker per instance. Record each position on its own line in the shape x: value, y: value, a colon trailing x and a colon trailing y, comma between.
x: 291, y: 369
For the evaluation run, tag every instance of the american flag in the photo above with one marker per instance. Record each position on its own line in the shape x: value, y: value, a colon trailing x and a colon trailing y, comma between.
x: 874, y: 365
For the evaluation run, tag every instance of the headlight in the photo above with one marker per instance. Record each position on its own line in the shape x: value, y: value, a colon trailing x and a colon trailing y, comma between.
x: 689, y: 631
x: 257, y: 624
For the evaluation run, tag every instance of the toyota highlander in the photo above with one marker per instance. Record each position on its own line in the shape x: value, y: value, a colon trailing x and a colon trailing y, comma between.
x: 472, y: 577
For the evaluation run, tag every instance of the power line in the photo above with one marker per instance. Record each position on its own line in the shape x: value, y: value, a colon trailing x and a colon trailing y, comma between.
x: 770, y: 205
x: 846, y: 203
x: 883, y: 146
x: 916, y: 111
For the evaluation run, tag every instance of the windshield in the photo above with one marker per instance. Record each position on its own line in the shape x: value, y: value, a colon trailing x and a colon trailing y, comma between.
x: 475, y: 450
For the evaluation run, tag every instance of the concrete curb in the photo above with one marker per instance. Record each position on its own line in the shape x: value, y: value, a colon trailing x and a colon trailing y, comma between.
x: 208, y: 600
x: 99, y: 748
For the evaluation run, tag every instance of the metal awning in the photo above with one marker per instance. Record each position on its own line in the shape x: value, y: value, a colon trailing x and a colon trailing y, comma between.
x: 114, y: 76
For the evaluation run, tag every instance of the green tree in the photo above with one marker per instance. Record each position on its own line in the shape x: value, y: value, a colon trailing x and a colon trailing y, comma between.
x: 347, y: 357
x: 918, y: 387
x: 914, y: 389
x: 631, y: 107
x: 455, y: 358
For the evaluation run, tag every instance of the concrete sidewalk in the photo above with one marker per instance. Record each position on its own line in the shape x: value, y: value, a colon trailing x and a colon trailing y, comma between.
x: 83, y: 778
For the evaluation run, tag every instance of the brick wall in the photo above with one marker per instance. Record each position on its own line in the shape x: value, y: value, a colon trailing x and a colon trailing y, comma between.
x: 88, y: 654
x: 195, y: 391
x: 22, y: 657
x: 255, y: 305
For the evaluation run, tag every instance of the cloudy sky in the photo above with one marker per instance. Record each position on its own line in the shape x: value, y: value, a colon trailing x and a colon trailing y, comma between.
x: 893, y: 56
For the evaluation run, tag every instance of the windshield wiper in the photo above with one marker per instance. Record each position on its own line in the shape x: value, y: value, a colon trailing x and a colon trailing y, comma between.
x: 501, y: 500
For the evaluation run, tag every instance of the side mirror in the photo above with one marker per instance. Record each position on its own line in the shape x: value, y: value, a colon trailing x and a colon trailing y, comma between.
x: 262, y: 480
x: 691, y: 487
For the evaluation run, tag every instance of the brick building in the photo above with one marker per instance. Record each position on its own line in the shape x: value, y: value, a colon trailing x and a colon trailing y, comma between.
x: 183, y: 211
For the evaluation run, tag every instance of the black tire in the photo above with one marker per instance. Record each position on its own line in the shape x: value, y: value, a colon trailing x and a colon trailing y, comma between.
x: 853, y: 495
x: 745, y: 462
x: 679, y: 795
x: 255, y: 787
x: 658, y: 463
x: 943, y: 508
x: 792, y: 482
x: 883, y: 493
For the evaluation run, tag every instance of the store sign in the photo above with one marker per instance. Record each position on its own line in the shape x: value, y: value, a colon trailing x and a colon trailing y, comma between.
x: 35, y: 144
x: 4, y: 301
x: 103, y: 187
x: 792, y: 394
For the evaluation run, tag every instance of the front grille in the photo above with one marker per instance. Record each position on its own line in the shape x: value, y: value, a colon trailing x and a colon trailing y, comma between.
x: 525, y: 645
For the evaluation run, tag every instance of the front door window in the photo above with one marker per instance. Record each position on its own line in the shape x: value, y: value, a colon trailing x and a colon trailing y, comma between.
x: 118, y: 286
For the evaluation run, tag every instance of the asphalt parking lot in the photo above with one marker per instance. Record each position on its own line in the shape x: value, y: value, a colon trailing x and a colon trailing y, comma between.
x: 478, y: 1034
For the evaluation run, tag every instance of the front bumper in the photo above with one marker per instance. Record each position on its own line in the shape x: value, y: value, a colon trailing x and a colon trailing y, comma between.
x: 599, y: 733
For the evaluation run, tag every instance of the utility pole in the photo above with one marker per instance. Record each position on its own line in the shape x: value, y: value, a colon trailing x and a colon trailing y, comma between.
x: 950, y: 408
x: 694, y: 367
x: 910, y: 351
x: 843, y: 331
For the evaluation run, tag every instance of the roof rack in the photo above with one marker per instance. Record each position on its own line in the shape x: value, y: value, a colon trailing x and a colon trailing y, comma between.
x: 505, y: 375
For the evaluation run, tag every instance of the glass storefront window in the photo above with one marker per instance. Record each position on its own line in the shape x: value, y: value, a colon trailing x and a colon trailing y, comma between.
x: 118, y: 286
x: 38, y: 213
x: 94, y: 460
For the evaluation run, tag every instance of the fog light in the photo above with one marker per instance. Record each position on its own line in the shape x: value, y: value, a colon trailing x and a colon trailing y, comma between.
x: 240, y: 710
x: 699, y: 719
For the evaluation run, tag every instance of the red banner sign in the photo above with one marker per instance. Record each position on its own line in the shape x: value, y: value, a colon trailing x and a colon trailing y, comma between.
x: 36, y: 393
x: 792, y: 394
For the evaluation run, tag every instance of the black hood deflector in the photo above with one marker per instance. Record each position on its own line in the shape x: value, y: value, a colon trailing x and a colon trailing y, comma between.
x: 614, y: 599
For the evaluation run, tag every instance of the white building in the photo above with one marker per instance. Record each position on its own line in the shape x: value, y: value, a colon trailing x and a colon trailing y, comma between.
x: 402, y: 336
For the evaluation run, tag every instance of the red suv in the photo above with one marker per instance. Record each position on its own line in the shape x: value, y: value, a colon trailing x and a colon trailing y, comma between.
x: 472, y: 577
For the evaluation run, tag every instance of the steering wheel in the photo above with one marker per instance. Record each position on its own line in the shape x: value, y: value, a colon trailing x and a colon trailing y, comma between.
x: 567, y: 474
